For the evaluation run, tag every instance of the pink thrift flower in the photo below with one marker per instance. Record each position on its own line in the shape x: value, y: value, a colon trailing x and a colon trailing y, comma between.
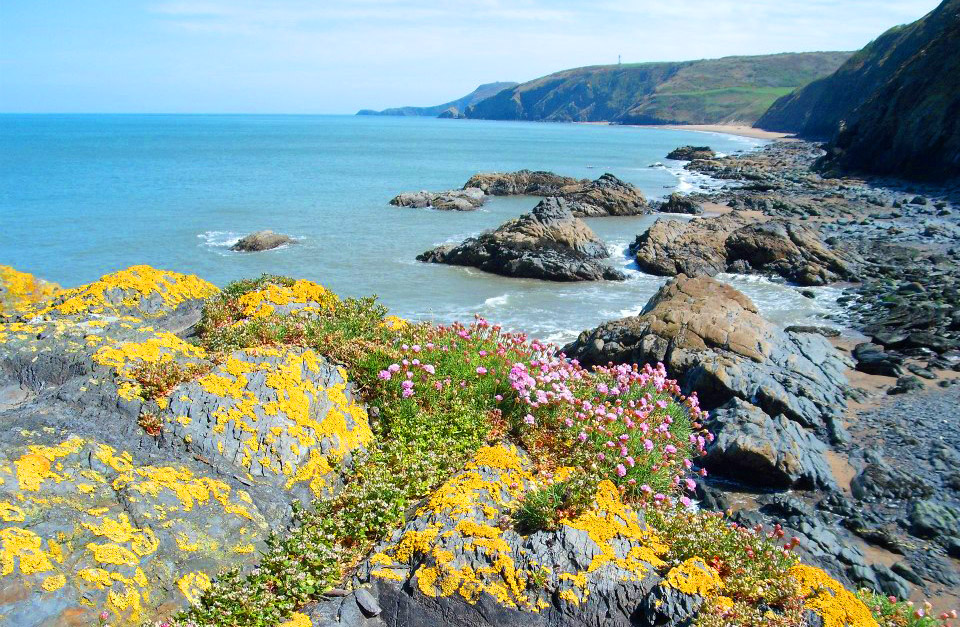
x: 670, y: 449
x: 686, y: 501
x: 621, y: 470
x: 691, y: 484
x: 481, y: 370
x: 384, y: 374
x: 529, y: 419
x: 393, y: 368
x: 648, y: 445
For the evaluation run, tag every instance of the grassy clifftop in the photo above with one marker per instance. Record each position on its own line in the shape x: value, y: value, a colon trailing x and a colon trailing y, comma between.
x: 690, y: 92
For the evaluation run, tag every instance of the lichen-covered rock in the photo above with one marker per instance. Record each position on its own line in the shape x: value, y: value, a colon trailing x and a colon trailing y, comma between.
x: 522, y: 182
x: 22, y: 290
x: 829, y: 600
x: 123, y: 493
x: 547, y: 243
x: 454, y: 564
x: 466, y: 199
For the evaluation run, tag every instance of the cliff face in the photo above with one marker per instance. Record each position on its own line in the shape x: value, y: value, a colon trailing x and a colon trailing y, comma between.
x: 892, y: 108
x: 483, y: 91
x: 689, y: 92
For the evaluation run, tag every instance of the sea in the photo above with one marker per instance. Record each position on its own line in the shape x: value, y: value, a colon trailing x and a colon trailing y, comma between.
x: 84, y: 195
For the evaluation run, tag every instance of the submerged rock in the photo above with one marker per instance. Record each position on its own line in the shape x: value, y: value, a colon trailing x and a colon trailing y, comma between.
x: 548, y: 243
x: 466, y: 199
x: 261, y: 240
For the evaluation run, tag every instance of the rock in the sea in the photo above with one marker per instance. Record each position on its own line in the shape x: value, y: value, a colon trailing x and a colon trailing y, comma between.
x: 548, y: 243
x: 261, y: 240
x: 691, y: 153
x: 770, y: 452
x: 521, y: 183
x: 606, y: 196
x: 714, y: 341
x: 679, y: 203
x: 466, y: 199
x: 732, y: 242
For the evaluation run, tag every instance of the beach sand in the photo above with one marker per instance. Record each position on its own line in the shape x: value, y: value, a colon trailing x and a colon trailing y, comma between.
x: 730, y: 129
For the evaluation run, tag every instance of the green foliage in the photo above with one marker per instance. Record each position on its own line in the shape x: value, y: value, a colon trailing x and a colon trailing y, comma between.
x: 543, y: 509
x: 158, y: 378
x: 889, y: 612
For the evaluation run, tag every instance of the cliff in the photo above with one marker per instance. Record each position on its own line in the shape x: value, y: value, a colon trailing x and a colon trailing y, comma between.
x: 690, y: 92
x: 447, y: 109
x: 893, y: 108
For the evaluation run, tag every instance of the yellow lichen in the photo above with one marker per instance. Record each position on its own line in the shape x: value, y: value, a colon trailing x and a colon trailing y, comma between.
x: 21, y: 290
x: 297, y: 619
x: 827, y: 597
x: 694, y: 576
x: 193, y: 584
x: 263, y: 302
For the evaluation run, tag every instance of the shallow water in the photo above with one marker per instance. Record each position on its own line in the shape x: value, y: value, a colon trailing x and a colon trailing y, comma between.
x: 84, y: 195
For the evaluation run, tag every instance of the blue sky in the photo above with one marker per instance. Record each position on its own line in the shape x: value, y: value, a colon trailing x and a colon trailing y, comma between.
x: 326, y: 56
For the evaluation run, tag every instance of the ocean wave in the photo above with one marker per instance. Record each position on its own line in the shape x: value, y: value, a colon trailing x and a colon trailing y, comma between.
x: 497, y: 301
x: 219, y: 239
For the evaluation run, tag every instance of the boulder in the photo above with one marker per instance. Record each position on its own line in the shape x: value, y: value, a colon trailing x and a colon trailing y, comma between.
x: 261, y: 240
x: 714, y: 342
x: 766, y: 452
x: 548, y: 243
x: 606, y: 196
x: 872, y: 359
x: 466, y: 199
x: 734, y: 243
x: 691, y: 153
x: 678, y: 203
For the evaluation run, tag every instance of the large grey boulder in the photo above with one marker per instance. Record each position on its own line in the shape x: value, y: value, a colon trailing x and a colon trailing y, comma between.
x: 466, y: 199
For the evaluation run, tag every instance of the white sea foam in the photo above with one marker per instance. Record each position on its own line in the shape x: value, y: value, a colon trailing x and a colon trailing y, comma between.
x: 497, y: 301
x: 219, y: 239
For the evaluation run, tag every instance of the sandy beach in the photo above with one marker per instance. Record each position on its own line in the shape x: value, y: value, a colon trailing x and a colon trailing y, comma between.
x: 729, y: 129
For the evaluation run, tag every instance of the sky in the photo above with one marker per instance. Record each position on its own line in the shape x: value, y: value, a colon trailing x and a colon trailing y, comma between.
x: 328, y: 56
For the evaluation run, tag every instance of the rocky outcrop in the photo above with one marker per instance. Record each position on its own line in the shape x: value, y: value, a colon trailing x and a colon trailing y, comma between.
x: 548, y: 243
x: 606, y: 196
x: 733, y: 243
x: 19, y: 290
x: 454, y: 564
x: 713, y: 340
x: 521, y: 183
x: 261, y: 240
x: 134, y: 467
x: 765, y: 451
x: 466, y: 199
x: 691, y: 153
x: 678, y: 203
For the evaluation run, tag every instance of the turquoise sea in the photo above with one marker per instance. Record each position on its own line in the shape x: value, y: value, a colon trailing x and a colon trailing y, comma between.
x: 83, y: 195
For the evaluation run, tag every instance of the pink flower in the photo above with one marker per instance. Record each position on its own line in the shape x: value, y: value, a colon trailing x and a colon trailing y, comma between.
x: 529, y: 419
x: 648, y: 444
x: 686, y: 501
x: 670, y: 449
x: 393, y: 368
x: 498, y: 397
x: 429, y: 369
x: 691, y: 484
x: 582, y: 436
x: 621, y: 470
x: 481, y: 370
x: 384, y: 374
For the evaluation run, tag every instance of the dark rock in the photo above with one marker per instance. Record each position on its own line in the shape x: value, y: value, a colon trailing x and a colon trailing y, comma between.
x: 872, y: 359
x: 906, y: 384
x: 368, y: 605
x: 678, y: 203
x: 548, y: 243
x: 261, y: 240
x: 691, y: 153
x: 929, y: 519
x: 878, y: 480
x: 754, y: 448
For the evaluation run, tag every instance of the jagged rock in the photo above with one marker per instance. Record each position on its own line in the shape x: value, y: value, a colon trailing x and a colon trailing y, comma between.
x: 731, y: 242
x: 22, y: 290
x: 763, y: 451
x: 521, y: 183
x: 929, y: 519
x: 678, y: 203
x: 691, y: 153
x: 261, y: 240
x: 713, y: 340
x: 548, y: 243
x: 466, y: 199
x: 606, y: 196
